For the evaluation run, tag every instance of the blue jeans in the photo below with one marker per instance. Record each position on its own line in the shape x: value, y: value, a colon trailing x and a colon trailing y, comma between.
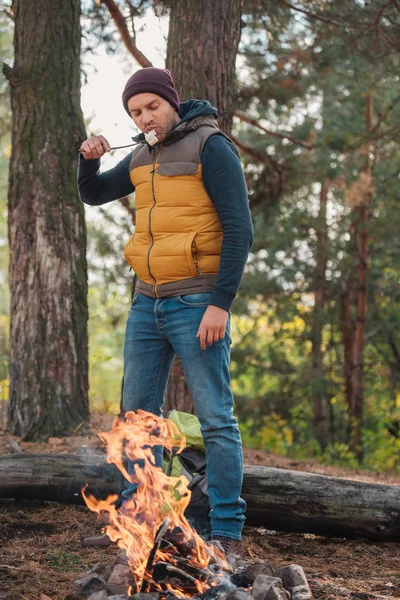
x: 156, y: 330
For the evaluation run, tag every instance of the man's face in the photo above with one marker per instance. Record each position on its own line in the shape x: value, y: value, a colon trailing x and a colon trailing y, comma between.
x: 150, y: 111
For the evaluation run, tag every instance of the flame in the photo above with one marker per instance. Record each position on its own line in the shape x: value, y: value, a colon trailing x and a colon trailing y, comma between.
x: 159, y: 502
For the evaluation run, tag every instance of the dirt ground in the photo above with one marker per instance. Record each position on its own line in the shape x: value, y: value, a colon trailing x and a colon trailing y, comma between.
x: 40, y: 551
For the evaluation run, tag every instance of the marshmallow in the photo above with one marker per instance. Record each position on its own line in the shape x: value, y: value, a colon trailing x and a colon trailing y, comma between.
x: 151, y: 138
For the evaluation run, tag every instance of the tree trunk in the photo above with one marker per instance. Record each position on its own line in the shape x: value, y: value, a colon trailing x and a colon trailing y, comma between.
x: 347, y: 329
x: 276, y: 498
x: 178, y: 395
x: 47, y: 235
x: 357, y: 401
x: 319, y: 382
x: 203, y: 41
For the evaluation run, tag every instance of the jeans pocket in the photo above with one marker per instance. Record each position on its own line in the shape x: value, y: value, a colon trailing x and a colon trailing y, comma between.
x: 198, y: 299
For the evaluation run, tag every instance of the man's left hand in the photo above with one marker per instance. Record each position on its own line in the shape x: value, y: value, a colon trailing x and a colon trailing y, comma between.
x: 213, y: 326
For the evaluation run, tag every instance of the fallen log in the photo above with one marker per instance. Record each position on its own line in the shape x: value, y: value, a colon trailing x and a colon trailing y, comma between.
x: 277, y: 499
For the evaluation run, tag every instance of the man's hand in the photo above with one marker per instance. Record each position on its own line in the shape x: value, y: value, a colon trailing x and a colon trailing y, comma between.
x: 95, y: 147
x: 213, y: 326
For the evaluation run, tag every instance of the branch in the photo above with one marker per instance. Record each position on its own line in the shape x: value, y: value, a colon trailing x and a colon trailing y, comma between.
x: 378, y: 23
x: 125, y: 35
x: 257, y: 155
x: 381, y: 11
x: 383, y: 116
x: 9, y: 14
x: 314, y: 16
x: 7, y: 71
x: 282, y: 136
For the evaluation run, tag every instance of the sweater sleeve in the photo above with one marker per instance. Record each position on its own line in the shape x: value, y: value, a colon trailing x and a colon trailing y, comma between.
x: 96, y: 188
x: 225, y: 184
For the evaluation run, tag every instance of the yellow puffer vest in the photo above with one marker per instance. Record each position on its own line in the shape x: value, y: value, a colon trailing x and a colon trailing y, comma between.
x: 178, y: 234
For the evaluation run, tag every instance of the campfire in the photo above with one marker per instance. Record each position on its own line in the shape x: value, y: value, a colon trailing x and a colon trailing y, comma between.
x: 161, y: 555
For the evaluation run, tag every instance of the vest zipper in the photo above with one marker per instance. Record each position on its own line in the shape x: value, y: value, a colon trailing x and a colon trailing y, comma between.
x: 150, y: 211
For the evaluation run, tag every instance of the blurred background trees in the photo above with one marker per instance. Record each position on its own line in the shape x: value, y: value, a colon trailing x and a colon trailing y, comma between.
x: 315, y: 360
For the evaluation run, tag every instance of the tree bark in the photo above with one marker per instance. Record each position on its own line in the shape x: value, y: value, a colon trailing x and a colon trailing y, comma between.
x: 203, y: 42
x: 357, y: 399
x: 178, y: 394
x: 47, y: 235
x: 319, y: 382
x: 276, y: 498
x: 347, y: 329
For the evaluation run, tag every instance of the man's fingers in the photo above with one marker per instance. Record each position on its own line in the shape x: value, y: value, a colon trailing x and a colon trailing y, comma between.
x: 203, y: 339
x: 209, y: 336
x: 95, y: 147
x: 104, y: 143
x: 216, y: 336
x: 202, y: 335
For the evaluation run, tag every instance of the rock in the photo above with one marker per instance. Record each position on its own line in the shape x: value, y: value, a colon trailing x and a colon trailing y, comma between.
x: 120, y: 580
x: 246, y: 576
x: 101, y: 569
x: 295, y: 581
x: 119, y: 597
x: 301, y: 592
x: 99, y: 596
x: 266, y: 587
x: 216, y: 592
x: 122, y: 558
x: 97, y: 568
x: 89, y: 584
x: 238, y: 594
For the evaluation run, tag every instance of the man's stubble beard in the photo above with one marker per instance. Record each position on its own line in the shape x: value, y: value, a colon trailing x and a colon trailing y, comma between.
x: 169, y: 125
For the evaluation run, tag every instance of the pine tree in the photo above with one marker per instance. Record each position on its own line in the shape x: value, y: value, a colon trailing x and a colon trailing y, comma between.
x: 47, y: 236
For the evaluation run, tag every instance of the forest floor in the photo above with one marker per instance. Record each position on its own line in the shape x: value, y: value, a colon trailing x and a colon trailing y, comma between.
x: 41, y: 555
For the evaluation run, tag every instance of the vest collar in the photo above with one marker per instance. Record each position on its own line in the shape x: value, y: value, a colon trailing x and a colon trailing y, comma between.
x: 182, y: 129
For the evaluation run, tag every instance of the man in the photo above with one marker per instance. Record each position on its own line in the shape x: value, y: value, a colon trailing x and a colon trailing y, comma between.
x: 192, y: 237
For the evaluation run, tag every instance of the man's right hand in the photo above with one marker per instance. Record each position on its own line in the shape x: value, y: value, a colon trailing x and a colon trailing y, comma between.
x: 95, y: 147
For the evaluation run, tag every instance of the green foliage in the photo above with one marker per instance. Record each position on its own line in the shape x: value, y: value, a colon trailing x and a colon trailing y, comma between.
x: 339, y: 454
x: 272, y: 433
x: 309, y: 78
x: 107, y: 317
x: 62, y: 560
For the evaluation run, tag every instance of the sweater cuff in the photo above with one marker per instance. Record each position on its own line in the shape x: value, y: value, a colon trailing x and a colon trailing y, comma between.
x: 221, y: 299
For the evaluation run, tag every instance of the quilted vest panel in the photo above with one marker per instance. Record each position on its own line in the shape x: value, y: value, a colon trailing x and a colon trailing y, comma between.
x: 178, y: 234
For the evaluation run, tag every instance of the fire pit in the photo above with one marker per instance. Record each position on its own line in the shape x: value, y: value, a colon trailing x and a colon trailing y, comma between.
x: 162, y: 557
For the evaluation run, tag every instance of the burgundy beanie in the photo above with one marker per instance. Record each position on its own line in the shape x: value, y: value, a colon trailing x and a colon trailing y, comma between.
x: 154, y: 80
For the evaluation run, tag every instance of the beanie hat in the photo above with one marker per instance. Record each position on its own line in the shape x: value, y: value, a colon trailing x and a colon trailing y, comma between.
x: 154, y: 80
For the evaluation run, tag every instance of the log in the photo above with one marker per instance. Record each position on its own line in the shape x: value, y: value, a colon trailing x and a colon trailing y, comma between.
x: 277, y: 499
x: 330, y: 506
x: 57, y: 477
